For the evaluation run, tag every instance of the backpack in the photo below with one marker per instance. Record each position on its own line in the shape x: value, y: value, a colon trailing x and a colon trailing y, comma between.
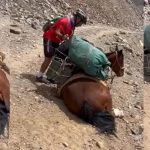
x: 49, y: 23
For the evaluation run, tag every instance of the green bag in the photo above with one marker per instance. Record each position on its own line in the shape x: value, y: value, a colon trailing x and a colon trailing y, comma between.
x: 89, y: 58
x: 49, y: 23
x: 147, y: 37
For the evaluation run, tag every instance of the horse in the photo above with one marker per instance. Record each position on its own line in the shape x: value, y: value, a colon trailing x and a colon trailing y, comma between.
x: 90, y: 99
x: 4, y: 98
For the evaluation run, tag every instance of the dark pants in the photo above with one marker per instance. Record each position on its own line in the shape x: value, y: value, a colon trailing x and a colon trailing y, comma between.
x: 49, y: 47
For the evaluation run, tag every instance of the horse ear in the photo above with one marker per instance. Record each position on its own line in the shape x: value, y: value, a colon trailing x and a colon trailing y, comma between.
x: 117, y: 49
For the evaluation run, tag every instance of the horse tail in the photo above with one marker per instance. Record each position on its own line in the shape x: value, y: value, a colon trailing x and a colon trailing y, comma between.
x: 4, y: 117
x: 103, y: 120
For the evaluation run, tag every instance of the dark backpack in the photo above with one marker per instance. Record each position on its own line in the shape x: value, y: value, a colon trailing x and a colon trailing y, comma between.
x: 50, y: 23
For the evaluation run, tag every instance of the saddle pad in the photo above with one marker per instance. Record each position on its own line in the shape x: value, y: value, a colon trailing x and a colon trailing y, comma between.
x: 78, y: 76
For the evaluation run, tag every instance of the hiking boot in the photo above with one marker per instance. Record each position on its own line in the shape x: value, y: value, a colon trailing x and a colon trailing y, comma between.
x: 42, y: 80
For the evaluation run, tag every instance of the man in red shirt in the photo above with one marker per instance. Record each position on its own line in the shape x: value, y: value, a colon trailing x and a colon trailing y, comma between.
x: 62, y: 30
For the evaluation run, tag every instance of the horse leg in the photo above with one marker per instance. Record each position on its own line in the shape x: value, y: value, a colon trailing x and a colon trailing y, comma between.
x: 71, y: 100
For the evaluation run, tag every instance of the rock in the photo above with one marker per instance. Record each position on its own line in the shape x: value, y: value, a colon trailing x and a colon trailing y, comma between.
x: 128, y: 73
x: 118, y: 113
x: 125, y: 41
x: 27, y: 1
x: 15, y: 30
x: 36, y: 97
x: 119, y: 39
x: 122, y: 32
x: 35, y: 24
x: 14, y: 25
x: 126, y: 82
x: 65, y: 144
x: 91, y: 21
x: 29, y: 20
x: 117, y: 34
x: 139, y: 105
x: 137, y: 130
x: 141, y: 43
x: 135, y: 84
x: 146, y: 2
x: 148, y: 12
x: 67, y: 5
x: 54, y: 9
x: 100, y: 145
x: 128, y: 49
x: 107, y: 43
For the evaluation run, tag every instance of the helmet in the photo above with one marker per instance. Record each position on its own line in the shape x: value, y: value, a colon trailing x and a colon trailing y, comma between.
x: 80, y: 14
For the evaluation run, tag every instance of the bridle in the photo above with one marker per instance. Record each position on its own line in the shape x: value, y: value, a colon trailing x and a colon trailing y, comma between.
x: 112, y: 76
x: 117, y: 62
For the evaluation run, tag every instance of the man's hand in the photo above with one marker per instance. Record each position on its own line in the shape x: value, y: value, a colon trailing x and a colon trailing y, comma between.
x: 65, y: 37
x: 61, y: 36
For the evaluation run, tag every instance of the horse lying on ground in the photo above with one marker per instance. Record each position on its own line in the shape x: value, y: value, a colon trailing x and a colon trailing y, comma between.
x: 90, y: 99
x: 4, y: 100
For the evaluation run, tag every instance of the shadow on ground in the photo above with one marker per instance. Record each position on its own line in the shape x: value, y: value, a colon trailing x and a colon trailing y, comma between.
x: 49, y: 92
x: 147, y: 78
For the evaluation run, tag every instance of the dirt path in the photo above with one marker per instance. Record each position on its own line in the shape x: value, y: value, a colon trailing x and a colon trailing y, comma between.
x: 147, y: 116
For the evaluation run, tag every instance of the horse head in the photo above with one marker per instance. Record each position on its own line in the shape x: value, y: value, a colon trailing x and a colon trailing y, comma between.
x: 117, y: 61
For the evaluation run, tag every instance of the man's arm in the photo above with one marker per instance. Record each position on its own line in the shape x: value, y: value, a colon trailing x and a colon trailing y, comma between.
x: 60, y: 35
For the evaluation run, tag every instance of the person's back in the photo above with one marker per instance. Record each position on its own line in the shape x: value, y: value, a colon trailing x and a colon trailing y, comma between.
x: 65, y: 28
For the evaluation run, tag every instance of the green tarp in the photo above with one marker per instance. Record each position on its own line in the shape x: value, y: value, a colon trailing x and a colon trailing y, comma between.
x: 89, y: 58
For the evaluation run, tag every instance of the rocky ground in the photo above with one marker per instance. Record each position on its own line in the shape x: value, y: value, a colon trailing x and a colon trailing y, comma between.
x: 41, y: 121
x: 146, y: 87
x: 110, y: 12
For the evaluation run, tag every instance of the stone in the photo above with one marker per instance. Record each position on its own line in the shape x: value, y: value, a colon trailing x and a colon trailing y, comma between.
x: 122, y: 32
x: 137, y: 130
x: 15, y: 30
x: 65, y: 144
x: 118, y: 113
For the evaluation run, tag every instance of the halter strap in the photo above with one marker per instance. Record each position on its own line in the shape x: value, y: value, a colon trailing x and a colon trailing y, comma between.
x: 116, y: 61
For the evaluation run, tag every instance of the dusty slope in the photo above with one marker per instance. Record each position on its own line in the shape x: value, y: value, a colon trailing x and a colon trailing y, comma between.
x: 146, y: 116
x: 40, y: 121
x: 146, y: 92
x: 124, y: 13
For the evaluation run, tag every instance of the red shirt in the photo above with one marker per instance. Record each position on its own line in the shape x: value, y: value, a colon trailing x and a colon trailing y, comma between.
x: 65, y: 27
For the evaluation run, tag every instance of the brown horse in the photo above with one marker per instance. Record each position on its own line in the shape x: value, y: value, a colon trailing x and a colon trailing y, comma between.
x: 4, y: 95
x: 90, y: 99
